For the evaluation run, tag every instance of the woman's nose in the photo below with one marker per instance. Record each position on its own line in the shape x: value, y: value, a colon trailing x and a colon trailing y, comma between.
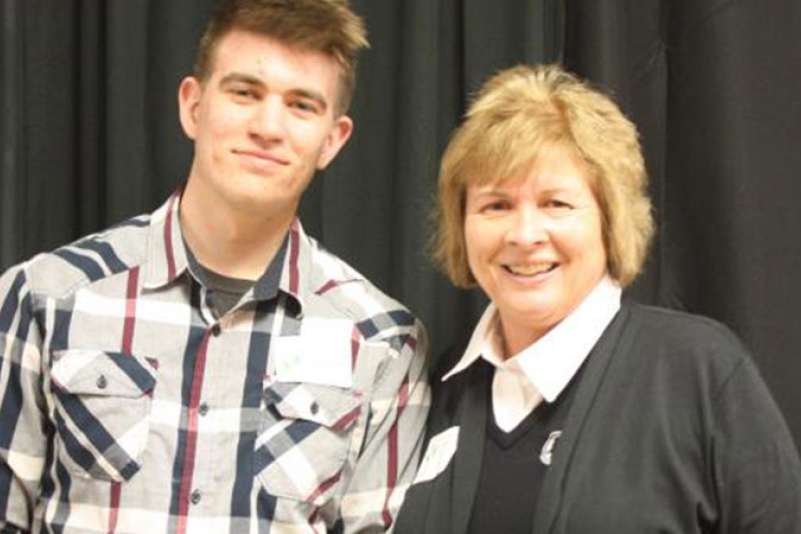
x: 527, y: 227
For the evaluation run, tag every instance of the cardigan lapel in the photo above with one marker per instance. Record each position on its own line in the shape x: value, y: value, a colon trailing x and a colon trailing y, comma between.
x: 597, y: 363
x: 472, y: 432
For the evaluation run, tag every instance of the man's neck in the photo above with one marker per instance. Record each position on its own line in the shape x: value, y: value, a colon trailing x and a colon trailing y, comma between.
x: 233, y: 244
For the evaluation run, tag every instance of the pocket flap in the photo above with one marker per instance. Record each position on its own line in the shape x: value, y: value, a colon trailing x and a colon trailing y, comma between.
x: 329, y: 406
x: 93, y: 372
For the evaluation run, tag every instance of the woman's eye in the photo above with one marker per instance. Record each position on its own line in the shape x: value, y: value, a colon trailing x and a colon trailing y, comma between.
x: 498, y: 205
x: 557, y: 204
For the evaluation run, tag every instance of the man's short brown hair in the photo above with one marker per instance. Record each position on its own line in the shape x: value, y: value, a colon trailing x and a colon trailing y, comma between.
x: 326, y: 26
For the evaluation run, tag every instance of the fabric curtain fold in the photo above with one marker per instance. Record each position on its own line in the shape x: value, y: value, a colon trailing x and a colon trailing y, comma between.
x: 90, y: 136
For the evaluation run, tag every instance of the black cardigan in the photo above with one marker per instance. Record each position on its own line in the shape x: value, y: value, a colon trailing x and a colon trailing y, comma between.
x: 671, y: 431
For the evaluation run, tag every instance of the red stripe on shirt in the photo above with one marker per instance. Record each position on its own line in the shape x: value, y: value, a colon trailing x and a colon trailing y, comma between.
x: 294, y: 251
x: 168, y: 238
x: 114, y: 507
x: 347, y: 419
x: 313, y: 519
x: 322, y: 488
x: 392, y: 444
x: 131, y: 293
x: 331, y: 284
x: 130, y: 310
x: 191, y: 433
x: 355, y: 337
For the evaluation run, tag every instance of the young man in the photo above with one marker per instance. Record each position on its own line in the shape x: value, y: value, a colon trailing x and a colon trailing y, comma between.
x: 209, y: 368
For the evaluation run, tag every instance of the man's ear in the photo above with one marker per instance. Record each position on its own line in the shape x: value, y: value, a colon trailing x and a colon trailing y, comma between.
x: 189, y: 93
x: 335, y: 140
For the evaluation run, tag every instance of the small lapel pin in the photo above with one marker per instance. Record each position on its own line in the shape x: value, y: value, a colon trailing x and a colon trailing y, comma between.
x: 547, y: 449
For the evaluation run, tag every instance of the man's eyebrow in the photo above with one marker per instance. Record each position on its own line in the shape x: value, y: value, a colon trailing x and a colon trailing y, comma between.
x: 235, y: 77
x: 238, y: 77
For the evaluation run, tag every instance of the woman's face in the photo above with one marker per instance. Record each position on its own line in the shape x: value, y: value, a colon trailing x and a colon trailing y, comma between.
x: 535, y: 245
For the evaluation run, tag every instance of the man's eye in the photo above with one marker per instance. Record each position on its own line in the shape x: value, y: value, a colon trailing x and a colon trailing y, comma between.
x: 303, y: 105
x: 243, y: 93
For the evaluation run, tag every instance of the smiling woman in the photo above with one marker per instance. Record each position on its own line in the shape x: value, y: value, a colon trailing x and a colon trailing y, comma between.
x: 641, y: 419
x: 535, y: 244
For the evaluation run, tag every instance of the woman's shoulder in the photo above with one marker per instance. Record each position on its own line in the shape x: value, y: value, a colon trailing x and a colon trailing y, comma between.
x: 688, y: 347
x: 683, y: 330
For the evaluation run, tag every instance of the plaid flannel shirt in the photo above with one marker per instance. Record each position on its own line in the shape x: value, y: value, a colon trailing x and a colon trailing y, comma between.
x: 127, y: 406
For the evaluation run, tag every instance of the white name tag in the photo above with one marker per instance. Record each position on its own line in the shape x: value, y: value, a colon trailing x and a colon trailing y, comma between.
x: 438, y: 455
x: 320, y: 355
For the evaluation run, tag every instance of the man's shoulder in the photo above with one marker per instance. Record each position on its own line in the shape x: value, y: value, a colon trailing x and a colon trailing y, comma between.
x: 87, y: 260
x: 346, y: 290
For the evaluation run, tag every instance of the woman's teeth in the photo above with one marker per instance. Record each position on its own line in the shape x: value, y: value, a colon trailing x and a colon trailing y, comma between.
x: 530, y: 269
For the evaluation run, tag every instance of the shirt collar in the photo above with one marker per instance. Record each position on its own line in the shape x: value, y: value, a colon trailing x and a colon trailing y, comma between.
x: 295, y: 264
x: 551, y: 361
x: 167, y: 257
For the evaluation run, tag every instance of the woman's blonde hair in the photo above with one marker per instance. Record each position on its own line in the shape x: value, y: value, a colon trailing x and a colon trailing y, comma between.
x: 522, y: 111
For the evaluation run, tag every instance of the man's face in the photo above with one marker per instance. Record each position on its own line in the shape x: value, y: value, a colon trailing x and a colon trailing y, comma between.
x: 262, y: 123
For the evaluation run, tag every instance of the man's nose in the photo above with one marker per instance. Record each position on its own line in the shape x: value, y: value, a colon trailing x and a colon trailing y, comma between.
x: 269, y: 119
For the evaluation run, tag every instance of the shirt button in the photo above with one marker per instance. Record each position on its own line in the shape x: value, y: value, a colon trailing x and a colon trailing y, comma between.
x: 203, y: 409
x: 215, y: 330
x: 195, y: 497
x: 314, y: 408
x: 102, y: 382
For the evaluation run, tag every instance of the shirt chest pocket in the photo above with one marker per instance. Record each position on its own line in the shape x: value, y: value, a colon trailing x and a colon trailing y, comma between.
x: 304, y: 439
x: 101, y: 412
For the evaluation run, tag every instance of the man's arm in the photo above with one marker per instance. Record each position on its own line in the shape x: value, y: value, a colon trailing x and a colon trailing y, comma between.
x: 388, y: 461
x: 22, y: 438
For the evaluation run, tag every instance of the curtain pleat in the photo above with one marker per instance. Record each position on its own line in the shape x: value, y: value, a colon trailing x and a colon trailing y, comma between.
x: 90, y: 136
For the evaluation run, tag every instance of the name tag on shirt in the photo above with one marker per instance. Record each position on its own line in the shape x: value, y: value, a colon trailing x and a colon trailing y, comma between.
x: 438, y: 455
x: 320, y: 355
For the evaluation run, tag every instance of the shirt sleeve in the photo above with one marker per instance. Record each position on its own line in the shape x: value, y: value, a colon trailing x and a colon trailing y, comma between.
x: 757, y: 469
x: 387, y: 462
x: 22, y: 422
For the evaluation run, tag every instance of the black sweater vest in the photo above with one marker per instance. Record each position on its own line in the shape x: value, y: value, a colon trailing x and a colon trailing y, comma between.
x: 512, y: 470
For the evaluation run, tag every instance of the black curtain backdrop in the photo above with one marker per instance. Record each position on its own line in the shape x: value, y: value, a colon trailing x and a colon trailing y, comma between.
x: 90, y: 136
x: 715, y: 87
